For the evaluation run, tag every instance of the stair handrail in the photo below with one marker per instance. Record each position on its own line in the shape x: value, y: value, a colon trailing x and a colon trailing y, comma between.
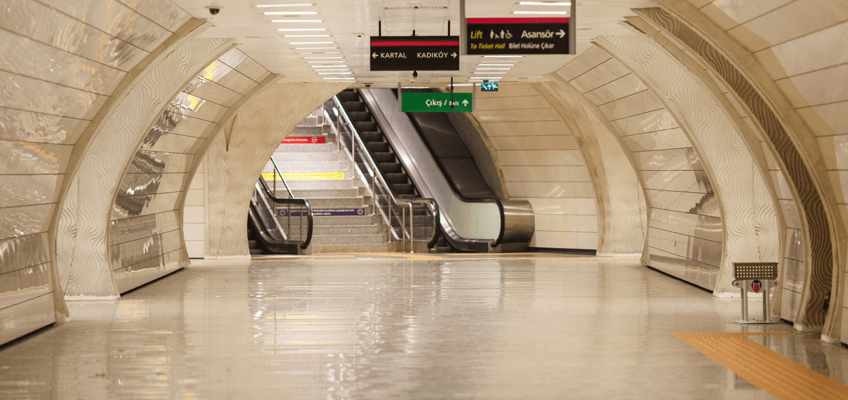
x: 290, y: 201
x: 283, y: 179
x: 375, y: 173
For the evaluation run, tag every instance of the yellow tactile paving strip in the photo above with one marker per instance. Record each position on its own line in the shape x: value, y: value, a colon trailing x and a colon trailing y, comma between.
x: 770, y: 371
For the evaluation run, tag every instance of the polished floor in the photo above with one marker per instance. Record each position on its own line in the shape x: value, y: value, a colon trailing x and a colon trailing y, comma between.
x: 383, y: 326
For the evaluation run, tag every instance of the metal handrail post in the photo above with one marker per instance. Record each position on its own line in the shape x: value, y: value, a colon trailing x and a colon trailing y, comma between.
x: 300, y: 228
x: 744, y: 300
x: 389, y: 222
x: 766, y: 307
x: 411, y: 227
x: 402, y: 231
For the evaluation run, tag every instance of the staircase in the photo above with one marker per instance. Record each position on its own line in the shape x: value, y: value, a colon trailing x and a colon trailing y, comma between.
x: 344, y: 214
x: 380, y: 149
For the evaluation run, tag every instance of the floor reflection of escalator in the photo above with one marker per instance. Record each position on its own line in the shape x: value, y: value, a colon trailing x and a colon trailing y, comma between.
x: 380, y: 149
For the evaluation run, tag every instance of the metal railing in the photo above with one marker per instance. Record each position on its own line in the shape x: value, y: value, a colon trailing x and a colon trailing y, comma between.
x: 293, y: 207
x: 393, y: 210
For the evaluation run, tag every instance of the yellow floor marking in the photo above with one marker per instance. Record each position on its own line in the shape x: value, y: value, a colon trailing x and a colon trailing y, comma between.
x: 770, y: 371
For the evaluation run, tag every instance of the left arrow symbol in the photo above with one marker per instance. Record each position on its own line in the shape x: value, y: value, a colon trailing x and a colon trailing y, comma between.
x: 561, y: 33
x: 374, y: 55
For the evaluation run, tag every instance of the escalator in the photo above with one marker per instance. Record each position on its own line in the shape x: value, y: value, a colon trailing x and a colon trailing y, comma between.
x: 267, y: 234
x: 437, y: 163
x: 375, y: 141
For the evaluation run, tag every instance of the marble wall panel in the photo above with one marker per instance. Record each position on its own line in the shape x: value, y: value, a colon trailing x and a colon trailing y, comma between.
x: 811, y: 50
x: 231, y: 171
x: 44, y: 24
x: 60, y: 62
x: 115, y: 18
x: 681, y: 208
x: 148, y: 196
x: 752, y: 228
x: 41, y: 189
x: 26, y: 126
x: 23, y: 252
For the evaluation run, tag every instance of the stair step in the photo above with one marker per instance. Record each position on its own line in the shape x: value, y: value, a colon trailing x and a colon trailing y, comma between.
x: 347, y: 183
x: 352, y: 106
x: 308, y: 148
x: 334, y: 230
x: 309, y: 166
x: 390, y: 168
x: 324, y: 193
x: 281, y: 156
x: 378, y: 147
x: 338, y: 202
x: 349, y: 239
x: 367, y: 219
x: 348, y: 95
x: 369, y: 137
x: 403, y: 188
x: 354, y: 248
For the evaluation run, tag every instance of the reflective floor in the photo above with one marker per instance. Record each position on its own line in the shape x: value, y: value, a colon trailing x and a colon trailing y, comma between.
x: 395, y: 327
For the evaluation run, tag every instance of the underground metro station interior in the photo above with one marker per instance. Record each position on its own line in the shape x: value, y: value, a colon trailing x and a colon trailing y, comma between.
x: 402, y: 199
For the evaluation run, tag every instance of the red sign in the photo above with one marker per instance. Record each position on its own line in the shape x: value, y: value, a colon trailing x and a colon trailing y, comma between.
x: 305, y: 140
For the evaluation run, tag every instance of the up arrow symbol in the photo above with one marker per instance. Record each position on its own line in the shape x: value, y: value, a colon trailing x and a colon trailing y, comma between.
x: 561, y: 33
x: 465, y: 103
x: 374, y: 55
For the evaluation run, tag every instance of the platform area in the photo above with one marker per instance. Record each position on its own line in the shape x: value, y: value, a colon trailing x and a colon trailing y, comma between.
x: 394, y: 326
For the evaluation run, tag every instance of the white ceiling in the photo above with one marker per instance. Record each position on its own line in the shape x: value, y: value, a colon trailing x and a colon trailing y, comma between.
x: 345, y: 20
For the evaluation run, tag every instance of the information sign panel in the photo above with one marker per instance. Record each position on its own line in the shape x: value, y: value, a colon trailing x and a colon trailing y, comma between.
x: 435, y: 102
x: 503, y: 36
x: 488, y: 86
x: 414, y: 53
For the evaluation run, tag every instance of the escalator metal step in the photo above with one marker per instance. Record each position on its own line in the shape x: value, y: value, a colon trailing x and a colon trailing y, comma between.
x: 353, y: 106
x: 359, y: 116
x: 395, y: 178
x: 368, y: 137
x: 348, y: 95
x: 390, y: 168
x: 403, y: 188
x: 363, y: 126
x: 383, y: 157
x: 378, y: 147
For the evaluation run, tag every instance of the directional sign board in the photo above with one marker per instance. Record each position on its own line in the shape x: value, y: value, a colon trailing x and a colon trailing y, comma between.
x: 435, y: 102
x: 489, y: 86
x: 499, y: 36
x: 411, y: 53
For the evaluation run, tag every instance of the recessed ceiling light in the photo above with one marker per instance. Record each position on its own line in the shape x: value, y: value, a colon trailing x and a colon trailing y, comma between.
x: 332, y: 70
x: 290, y: 12
x: 335, y: 73
x: 544, y: 3
x: 323, y: 62
x: 318, y: 58
x: 486, y: 77
x: 339, y: 78
x: 283, y: 5
x: 296, y: 20
x: 539, y: 12
x: 498, y: 65
x: 302, y: 30
x: 493, y: 69
x: 310, y: 42
x: 306, y: 35
x: 503, y: 56
x: 329, y: 66
x: 314, y: 48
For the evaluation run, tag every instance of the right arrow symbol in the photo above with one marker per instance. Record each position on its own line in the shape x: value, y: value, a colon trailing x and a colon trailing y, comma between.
x: 561, y: 33
x: 374, y: 55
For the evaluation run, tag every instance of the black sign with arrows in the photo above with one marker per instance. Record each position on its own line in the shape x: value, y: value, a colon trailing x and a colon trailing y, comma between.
x: 501, y: 36
x: 414, y: 53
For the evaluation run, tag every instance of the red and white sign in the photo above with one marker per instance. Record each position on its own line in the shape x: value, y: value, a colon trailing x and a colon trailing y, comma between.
x: 305, y: 140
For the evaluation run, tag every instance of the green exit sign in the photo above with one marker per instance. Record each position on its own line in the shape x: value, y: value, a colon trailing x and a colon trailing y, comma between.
x: 489, y: 86
x: 435, y: 102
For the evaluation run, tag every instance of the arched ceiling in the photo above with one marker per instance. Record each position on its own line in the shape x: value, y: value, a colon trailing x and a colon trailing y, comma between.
x: 350, y: 23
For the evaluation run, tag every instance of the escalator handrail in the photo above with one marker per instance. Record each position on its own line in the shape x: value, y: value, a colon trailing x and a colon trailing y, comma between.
x: 375, y: 172
x: 497, y: 240
x: 300, y: 202
x: 456, y: 191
